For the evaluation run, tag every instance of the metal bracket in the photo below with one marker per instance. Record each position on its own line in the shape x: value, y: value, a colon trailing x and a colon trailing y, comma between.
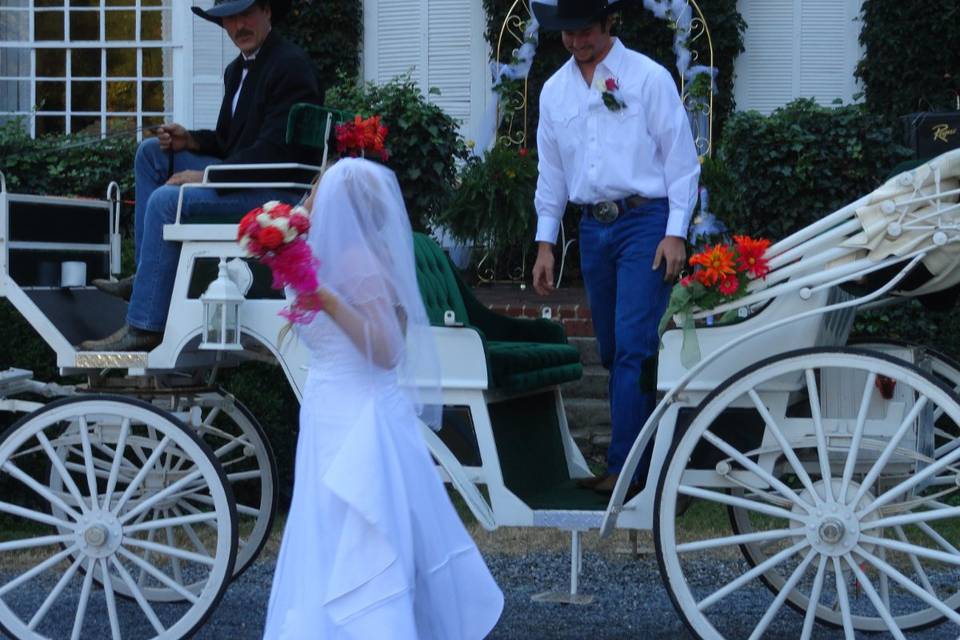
x: 576, y: 568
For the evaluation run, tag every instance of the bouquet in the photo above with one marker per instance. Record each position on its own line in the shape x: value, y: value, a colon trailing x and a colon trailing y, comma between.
x: 721, y: 273
x: 275, y: 234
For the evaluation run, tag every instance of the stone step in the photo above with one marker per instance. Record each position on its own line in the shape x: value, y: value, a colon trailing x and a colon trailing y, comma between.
x: 594, y: 384
x: 587, y: 414
x: 587, y: 347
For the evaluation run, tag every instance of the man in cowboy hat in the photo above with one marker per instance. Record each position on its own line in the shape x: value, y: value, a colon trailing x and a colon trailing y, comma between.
x: 268, y: 77
x: 615, y: 141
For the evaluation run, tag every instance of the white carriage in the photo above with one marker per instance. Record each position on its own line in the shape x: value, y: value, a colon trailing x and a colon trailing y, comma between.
x: 835, y: 471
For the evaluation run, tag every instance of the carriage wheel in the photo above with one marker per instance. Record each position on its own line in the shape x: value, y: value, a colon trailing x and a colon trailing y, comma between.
x: 946, y: 438
x: 241, y: 446
x: 830, y: 455
x: 98, y: 525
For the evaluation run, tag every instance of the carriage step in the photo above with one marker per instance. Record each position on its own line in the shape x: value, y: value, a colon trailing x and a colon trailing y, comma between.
x: 587, y: 347
x: 587, y: 413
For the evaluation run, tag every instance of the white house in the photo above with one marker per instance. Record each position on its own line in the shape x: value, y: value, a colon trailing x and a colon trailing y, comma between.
x: 106, y: 65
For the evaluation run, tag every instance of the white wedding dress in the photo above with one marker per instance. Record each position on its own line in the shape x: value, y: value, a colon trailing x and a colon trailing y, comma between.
x: 373, y: 548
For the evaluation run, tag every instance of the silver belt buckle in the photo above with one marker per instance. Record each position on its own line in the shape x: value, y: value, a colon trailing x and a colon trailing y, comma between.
x: 606, y: 211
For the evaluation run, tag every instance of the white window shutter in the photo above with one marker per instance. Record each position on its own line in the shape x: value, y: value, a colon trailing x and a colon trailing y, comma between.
x: 765, y: 70
x: 397, y: 41
x: 797, y: 48
x: 212, y: 51
x: 449, y: 56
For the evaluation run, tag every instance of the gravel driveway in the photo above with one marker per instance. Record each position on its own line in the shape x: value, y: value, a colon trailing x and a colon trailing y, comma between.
x: 630, y: 601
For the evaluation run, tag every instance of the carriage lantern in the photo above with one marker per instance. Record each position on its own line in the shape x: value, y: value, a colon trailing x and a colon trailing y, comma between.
x: 221, y: 313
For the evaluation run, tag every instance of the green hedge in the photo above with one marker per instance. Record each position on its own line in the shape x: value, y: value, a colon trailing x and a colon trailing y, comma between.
x: 330, y: 31
x: 640, y: 30
x: 775, y: 174
x: 911, y: 56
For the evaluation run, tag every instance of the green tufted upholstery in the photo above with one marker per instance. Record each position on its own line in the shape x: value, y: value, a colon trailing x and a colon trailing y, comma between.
x: 522, y: 355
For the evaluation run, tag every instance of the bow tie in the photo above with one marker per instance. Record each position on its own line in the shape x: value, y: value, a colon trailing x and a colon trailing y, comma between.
x: 247, y: 63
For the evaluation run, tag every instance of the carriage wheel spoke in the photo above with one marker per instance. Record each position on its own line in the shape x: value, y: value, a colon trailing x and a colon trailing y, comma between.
x: 757, y: 470
x: 730, y: 541
x: 241, y: 476
x: 141, y: 475
x: 58, y: 465
x: 36, y: 516
x: 159, y: 496
x: 88, y: 462
x: 915, y: 563
x: 813, y: 394
x: 912, y: 518
x: 159, y: 575
x: 884, y: 582
x: 887, y: 570
x: 151, y: 534
x: 733, y: 501
x: 843, y: 600
x: 54, y: 594
x: 84, y: 600
x: 788, y: 451
x: 195, y: 511
x: 163, y: 549
x: 166, y: 522
x: 889, y: 449
x: 868, y: 390
x: 37, y: 570
x: 33, y: 543
x: 777, y: 604
x: 894, y: 492
x: 758, y: 570
x: 815, y: 592
x: 882, y: 610
x: 111, y: 599
x: 118, y: 460
x: 934, y: 535
x: 912, y: 549
x: 138, y: 596
x: 951, y: 446
x: 41, y: 490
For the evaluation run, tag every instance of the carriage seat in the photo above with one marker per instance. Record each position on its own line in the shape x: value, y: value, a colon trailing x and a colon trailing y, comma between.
x: 522, y: 355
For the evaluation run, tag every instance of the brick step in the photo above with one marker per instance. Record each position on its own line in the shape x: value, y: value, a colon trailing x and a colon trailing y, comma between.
x: 587, y: 346
x: 594, y: 384
x: 587, y: 414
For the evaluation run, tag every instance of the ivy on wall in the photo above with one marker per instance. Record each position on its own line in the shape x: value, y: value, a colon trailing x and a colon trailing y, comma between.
x: 902, y: 72
x: 331, y: 32
x: 640, y: 30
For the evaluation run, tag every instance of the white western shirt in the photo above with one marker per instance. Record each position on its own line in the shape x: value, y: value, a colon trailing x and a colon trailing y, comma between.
x: 588, y: 153
x: 243, y: 76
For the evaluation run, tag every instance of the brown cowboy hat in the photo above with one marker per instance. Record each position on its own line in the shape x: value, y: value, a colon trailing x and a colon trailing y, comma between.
x: 224, y: 8
x: 573, y: 15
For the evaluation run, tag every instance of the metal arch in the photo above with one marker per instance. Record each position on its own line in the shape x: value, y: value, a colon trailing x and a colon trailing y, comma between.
x: 700, y: 29
x: 511, y: 33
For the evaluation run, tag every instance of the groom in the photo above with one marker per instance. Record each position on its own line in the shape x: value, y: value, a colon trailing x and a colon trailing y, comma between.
x: 268, y: 77
x: 614, y: 140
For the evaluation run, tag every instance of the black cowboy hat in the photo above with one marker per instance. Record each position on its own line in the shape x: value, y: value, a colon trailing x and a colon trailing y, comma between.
x: 224, y: 8
x: 573, y: 15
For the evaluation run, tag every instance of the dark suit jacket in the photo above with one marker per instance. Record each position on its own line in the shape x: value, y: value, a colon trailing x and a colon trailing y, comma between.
x: 281, y: 75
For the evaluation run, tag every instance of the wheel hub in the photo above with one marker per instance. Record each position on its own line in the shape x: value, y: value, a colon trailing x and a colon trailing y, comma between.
x: 99, y: 534
x: 832, y: 531
x: 833, y: 528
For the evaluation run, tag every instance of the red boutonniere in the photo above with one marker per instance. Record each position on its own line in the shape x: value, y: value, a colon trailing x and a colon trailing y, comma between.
x: 612, y: 97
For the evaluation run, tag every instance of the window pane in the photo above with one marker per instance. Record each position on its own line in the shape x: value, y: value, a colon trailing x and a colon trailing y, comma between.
x: 121, y: 96
x: 84, y: 3
x: 122, y: 3
x: 153, y: 3
x: 121, y: 25
x: 51, y: 125
x: 13, y: 3
x: 51, y: 96
x: 14, y: 25
x: 48, y: 3
x: 85, y: 63
x: 48, y: 25
x: 125, y: 124
x: 156, y: 96
x: 149, y: 124
x: 153, y: 63
x: 14, y: 62
x: 151, y: 25
x: 84, y: 25
x: 14, y: 95
x: 89, y: 125
x: 85, y: 96
x: 122, y: 63
x: 51, y: 63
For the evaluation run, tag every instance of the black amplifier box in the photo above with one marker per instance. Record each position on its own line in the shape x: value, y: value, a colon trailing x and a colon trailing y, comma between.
x: 931, y: 133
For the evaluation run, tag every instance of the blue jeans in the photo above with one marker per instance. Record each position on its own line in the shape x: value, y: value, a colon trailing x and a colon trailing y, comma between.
x: 627, y: 299
x: 156, y: 205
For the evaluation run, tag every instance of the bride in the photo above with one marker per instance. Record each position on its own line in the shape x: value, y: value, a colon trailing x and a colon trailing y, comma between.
x: 372, y: 547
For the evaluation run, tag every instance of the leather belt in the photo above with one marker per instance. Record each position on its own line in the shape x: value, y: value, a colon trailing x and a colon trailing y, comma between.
x: 609, y: 210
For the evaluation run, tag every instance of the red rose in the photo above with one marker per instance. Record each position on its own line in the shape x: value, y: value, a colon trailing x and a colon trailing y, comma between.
x: 611, y: 84
x: 300, y: 223
x: 248, y: 223
x: 686, y: 281
x: 281, y: 210
x: 270, y: 238
x: 524, y: 152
